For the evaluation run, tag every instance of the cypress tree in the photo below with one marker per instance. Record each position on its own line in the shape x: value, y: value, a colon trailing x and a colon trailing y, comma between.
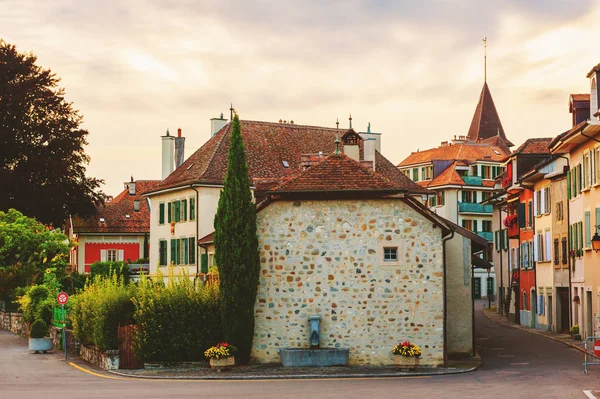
x: 236, y: 249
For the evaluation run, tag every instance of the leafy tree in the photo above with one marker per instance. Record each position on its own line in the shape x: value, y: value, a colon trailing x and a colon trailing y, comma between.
x: 42, y: 160
x: 236, y: 249
x: 27, y: 250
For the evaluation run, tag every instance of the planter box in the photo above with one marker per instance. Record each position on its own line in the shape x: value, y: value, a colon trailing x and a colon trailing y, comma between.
x: 40, y: 344
x: 326, y: 357
x: 406, y: 362
x: 223, y: 362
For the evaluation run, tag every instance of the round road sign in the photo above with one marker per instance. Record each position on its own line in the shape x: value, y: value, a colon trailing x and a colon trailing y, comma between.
x: 597, y: 347
x: 62, y: 298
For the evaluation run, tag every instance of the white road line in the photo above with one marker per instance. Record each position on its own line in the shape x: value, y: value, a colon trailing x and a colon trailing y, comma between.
x: 589, y: 394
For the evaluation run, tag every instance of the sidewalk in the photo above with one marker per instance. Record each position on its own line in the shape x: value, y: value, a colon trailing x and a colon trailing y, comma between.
x: 564, y: 338
x: 275, y: 371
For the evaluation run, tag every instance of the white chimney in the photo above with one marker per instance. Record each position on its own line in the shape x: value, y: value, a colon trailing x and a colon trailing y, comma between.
x: 368, y: 135
x: 179, y: 149
x: 131, y: 186
x: 369, y: 150
x: 168, y: 154
x: 217, y: 124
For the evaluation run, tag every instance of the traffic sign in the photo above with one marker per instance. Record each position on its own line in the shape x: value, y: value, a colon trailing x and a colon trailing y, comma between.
x: 597, y: 348
x: 62, y: 298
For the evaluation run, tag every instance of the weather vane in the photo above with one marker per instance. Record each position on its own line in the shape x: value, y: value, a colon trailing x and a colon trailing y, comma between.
x: 484, y: 59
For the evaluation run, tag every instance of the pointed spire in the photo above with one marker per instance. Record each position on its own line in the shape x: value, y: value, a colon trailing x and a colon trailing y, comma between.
x: 484, y: 59
x: 337, y: 123
x: 350, y: 121
x: 231, y: 112
x: 486, y: 122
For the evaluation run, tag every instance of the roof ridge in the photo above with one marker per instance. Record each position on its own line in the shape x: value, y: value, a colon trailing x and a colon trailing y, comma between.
x: 292, y: 125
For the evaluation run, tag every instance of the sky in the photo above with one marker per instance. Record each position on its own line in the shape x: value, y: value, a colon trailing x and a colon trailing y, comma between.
x: 413, y: 69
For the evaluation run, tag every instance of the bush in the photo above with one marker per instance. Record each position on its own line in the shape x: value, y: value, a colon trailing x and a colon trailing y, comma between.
x: 34, y: 302
x: 39, y: 329
x: 99, y: 309
x: 107, y: 269
x: 178, y: 320
x: 574, y: 330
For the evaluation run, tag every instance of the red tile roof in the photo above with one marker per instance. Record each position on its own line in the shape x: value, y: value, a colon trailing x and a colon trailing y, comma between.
x: 535, y: 146
x: 114, y: 213
x: 207, y: 239
x: 448, y: 176
x: 580, y: 97
x: 458, y: 152
x: 486, y: 122
x: 579, y: 101
x: 267, y: 145
x: 336, y: 173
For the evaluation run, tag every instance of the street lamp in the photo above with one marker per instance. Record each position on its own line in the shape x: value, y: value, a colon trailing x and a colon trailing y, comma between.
x: 596, y: 241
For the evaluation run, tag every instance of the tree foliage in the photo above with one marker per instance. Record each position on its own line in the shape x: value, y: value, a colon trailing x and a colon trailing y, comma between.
x: 42, y: 159
x: 27, y: 250
x: 236, y: 249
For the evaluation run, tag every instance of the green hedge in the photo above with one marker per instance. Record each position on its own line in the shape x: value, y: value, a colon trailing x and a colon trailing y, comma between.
x: 98, y: 310
x: 107, y: 269
x: 178, y: 321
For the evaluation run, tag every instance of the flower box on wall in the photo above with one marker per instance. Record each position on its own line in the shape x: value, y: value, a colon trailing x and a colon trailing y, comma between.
x: 406, y: 362
x: 223, y: 362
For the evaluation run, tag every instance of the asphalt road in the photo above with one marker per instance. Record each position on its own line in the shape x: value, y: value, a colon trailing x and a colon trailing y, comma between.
x: 515, y: 364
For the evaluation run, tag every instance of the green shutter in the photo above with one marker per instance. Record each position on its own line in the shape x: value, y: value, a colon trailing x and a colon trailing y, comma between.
x: 204, y: 263
x: 169, y: 206
x: 185, y: 250
x: 176, y: 210
x: 505, y: 239
x: 173, y: 250
x: 497, y: 240
x: 192, y: 209
x: 579, y: 179
x: 162, y: 252
x: 568, y: 184
x: 475, y: 197
x: 570, y: 238
x: 521, y: 214
x: 161, y: 213
x: 443, y: 198
x: 475, y: 226
x: 192, y: 248
x: 588, y: 235
x: 580, y: 235
x: 597, y: 220
x: 184, y: 203
x: 464, y: 195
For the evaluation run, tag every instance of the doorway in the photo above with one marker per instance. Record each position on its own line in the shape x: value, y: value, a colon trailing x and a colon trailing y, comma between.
x: 533, y: 309
x: 588, y: 314
x: 549, y: 313
x: 562, y: 315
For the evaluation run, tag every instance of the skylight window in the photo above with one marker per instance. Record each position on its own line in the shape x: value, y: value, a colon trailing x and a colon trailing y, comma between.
x: 127, y: 216
x: 285, y: 164
x: 102, y: 220
x: 189, y: 167
x: 496, y: 152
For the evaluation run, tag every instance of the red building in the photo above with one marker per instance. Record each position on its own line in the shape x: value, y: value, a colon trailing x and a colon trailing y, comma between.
x: 117, y: 231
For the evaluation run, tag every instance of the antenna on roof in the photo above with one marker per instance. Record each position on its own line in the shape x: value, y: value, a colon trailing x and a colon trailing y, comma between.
x: 484, y: 59
x: 337, y: 123
x: 350, y: 121
x: 231, y: 112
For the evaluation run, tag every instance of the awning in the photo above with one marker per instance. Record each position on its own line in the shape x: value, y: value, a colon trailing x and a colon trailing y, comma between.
x: 479, y: 263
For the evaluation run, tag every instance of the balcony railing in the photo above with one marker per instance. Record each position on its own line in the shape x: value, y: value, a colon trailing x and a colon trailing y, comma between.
x: 472, y: 180
x: 488, y: 235
x: 467, y: 207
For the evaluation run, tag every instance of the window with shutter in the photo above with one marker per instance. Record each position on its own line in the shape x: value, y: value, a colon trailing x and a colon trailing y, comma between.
x: 177, y: 211
x: 521, y: 217
x: 536, y: 247
x: 192, y: 250
x: 169, y: 206
x: 161, y: 213
x: 192, y: 209
x: 186, y: 254
x: 563, y: 244
x: 475, y: 226
x: 547, y: 246
x: 548, y: 203
x: 184, y: 210
x: 569, y: 184
x: 530, y: 213
x: 530, y: 253
x: 173, y: 250
x: 588, y: 236
x: 580, y: 235
x: 162, y: 248
x: 497, y: 240
x: 505, y: 240
x: 579, y: 179
x: 103, y: 255
x: 204, y: 263
x: 556, y: 252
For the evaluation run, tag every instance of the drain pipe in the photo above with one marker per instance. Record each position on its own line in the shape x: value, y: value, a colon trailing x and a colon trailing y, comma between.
x: 196, y: 221
x: 445, y: 329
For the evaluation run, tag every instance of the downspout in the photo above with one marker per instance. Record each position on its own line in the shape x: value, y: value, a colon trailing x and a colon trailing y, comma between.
x: 444, y: 240
x: 196, y: 221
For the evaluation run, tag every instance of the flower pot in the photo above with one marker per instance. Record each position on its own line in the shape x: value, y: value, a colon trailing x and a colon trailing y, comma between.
x: 406, y: 362
x: 40, y: 344
x: 223, y: 362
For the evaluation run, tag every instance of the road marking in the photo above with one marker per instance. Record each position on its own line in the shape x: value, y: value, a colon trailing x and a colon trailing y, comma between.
x: 232, y: 380
x: 519, y: 364
x: 110, y: 377
x: 589, y: 394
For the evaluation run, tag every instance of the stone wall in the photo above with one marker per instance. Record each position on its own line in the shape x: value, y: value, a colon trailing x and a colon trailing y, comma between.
x: 325, y: 258
x: 107, y: 360
x: 72, y: 345
x: 14, y: 323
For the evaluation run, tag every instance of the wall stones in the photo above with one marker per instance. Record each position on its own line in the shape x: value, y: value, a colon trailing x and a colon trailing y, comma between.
x: 323, y: 258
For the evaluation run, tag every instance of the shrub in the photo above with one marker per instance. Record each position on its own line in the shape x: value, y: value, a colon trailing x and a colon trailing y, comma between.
x: 39, y: 329
x: 34, y: 302
x: 99, y: 309
x: 178, y: 321
x: 107, y: 269
x: 575, y: 329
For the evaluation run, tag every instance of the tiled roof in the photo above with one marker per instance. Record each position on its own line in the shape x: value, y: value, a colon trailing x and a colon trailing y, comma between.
x: 207, y: 239
x: 497, y: 141
x: 336, y: 173
x: 267, y: 146
x: 580, y: 97
x: 457, y: 152
x: 535, y: 146
x: 448, y: 176
x: 486, y: 122
x: 114, y: 213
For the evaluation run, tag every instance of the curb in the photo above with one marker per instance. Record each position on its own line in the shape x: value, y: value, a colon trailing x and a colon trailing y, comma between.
x: 302, y: 376
x: 534, y: 332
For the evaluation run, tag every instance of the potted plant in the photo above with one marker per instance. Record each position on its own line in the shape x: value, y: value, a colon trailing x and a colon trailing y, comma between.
x: 221, y: 355
x: 406, y: 355
x: 37, y: 337
x: 575, y: 331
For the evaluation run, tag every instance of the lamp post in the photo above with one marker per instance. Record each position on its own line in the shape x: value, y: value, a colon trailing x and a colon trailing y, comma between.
x: 596, y: 240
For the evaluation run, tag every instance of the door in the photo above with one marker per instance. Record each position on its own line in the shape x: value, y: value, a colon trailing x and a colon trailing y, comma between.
x: 533, y: 309
x: 588, y: 314
x: 549, y: 313
x: 477, y: 287
x: 563, y: 296
x: 127, y: 357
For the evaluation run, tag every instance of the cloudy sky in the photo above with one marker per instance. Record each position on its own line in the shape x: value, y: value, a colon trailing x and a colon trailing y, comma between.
x: 414, y: 69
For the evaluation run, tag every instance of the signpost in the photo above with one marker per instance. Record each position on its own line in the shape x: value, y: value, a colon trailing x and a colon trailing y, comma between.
x: 62, y: 299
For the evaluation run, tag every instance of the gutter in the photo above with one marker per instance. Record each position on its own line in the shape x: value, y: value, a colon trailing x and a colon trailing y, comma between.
x: 444, y: 240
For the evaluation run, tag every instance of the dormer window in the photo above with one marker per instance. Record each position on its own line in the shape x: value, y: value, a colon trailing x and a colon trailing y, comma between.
x: 102, y: 220
x: 286, y: 164
x: 136, y: 205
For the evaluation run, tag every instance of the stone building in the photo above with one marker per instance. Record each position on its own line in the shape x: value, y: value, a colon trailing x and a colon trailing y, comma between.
x: 344, y: 242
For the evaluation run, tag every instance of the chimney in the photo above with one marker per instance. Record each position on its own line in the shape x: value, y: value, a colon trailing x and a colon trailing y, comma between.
x: 131, y: 186
x: 168, y: 154
x: 351, y: 142
x: 369, y: 150
x: 217, y: 124
x: 179, y: 149
x: 375, y: 137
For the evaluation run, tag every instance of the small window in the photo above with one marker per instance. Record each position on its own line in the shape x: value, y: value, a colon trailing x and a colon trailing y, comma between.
x: 111, y: 255
x: 496, y: 152
x: 102, y: 220
x: 286, y: 164
x: 390, y: 254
